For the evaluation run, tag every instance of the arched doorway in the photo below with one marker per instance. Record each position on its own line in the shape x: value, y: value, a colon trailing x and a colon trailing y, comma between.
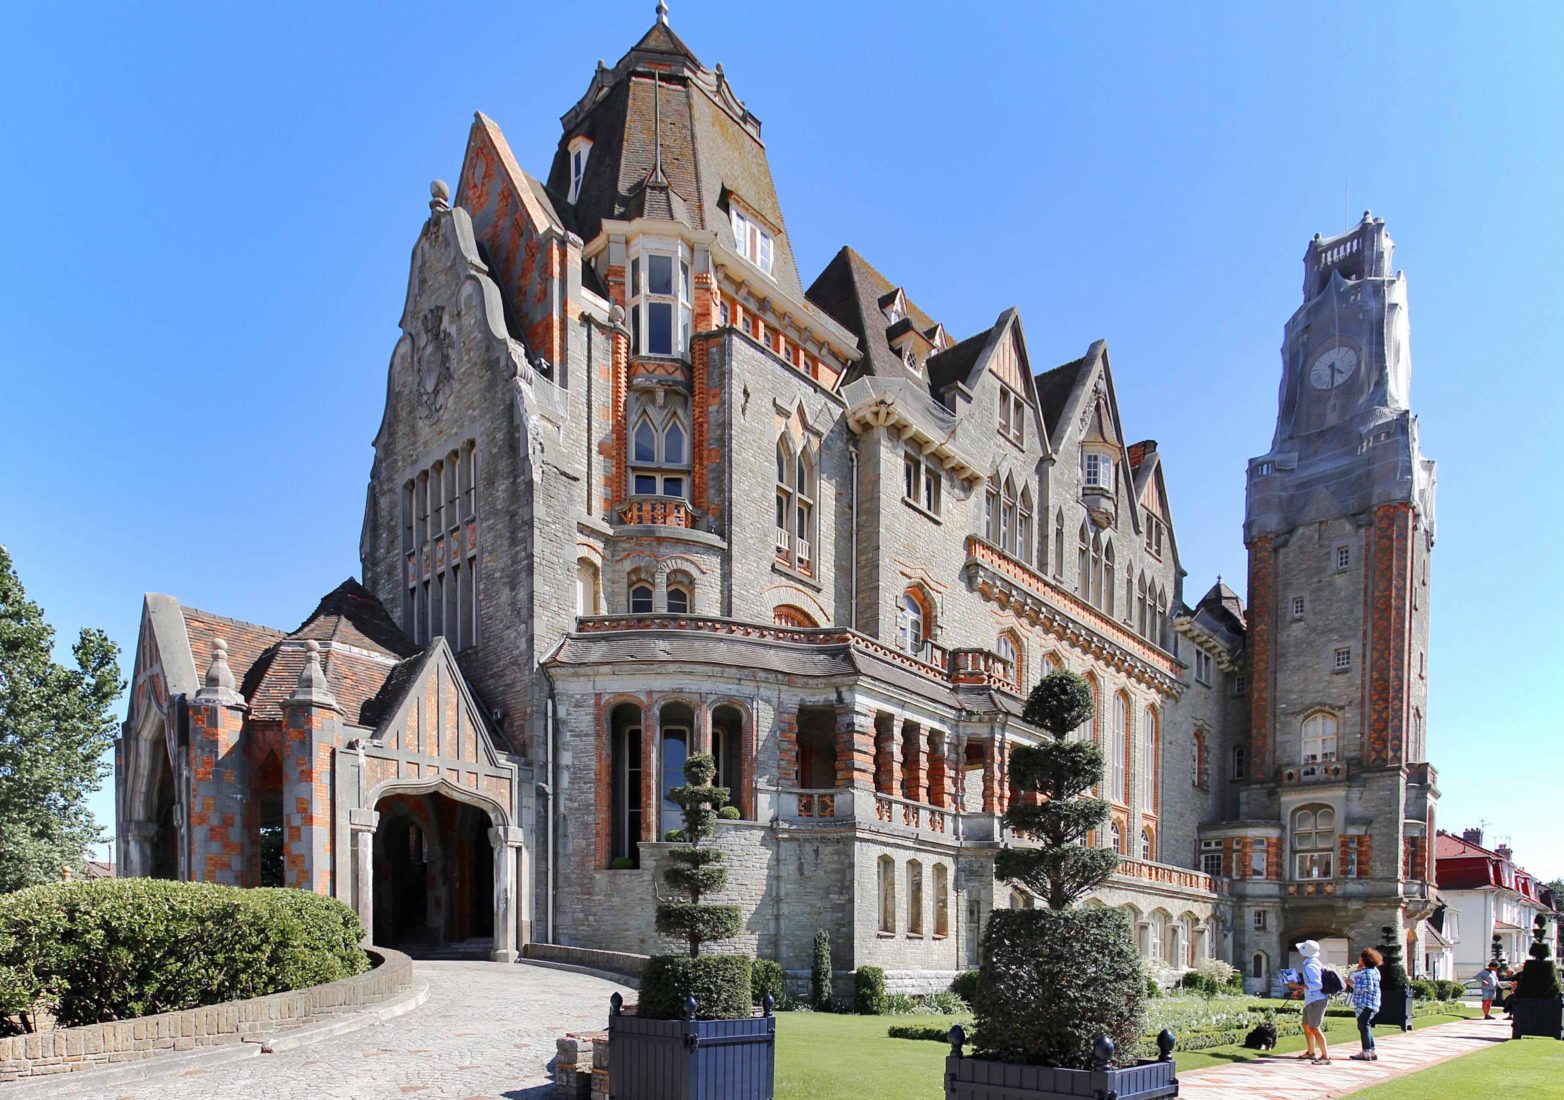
x: 433, y: 876
x: 163, y: 845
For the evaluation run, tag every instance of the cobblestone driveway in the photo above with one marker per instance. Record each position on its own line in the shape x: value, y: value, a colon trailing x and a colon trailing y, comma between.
x: 487, y: 1031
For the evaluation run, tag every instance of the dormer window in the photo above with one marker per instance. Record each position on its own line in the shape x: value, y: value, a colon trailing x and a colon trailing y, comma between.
x: 660, y: 302
x: 1097, y: 470
x: 752, y: 242
x: 1012, y: 415
x: 580, y: 149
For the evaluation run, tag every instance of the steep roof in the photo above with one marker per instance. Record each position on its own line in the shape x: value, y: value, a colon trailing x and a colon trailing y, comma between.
x: 850, y: 290
x: 1054, y: 388
x: 350, y: 613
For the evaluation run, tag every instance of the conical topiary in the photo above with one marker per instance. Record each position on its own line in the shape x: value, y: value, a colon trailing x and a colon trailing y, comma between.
x: 719, y: 984
x: 1054, y: 980
x: 1539, y: 977
x: 1392, y: 972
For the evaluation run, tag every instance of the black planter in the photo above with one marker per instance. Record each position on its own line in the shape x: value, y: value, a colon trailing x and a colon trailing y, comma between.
x: 979, y: 1079
x: 1542, y: 1016
x: 691, y: 1059
x: 1395, y: 1008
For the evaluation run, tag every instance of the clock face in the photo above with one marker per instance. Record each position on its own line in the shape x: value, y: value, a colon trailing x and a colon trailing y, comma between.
x: 1333, y: 367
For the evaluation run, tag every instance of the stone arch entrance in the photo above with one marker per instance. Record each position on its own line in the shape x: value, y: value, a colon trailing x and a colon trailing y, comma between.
x: 435, y: 890
x: 152, y: 828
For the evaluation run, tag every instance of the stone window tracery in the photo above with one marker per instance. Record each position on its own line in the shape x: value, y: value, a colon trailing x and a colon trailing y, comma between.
x: 660, y: 450
x: 1313, y: 830
x: 797, y: 486
x: 440, y: 549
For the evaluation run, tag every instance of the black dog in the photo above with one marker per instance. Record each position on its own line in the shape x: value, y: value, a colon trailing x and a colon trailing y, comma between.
x: 1263, y: 1037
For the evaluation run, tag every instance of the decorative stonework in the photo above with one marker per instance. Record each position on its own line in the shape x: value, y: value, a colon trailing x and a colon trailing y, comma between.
x: 432, y: 359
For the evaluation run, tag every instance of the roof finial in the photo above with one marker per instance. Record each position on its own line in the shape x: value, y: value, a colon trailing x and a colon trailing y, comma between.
x: 662, y: 12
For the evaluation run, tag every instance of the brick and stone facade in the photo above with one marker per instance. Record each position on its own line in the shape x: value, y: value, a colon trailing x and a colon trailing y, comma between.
x: 649, y: 494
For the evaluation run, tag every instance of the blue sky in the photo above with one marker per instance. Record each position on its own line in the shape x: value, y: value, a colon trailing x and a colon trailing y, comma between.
x: 212, y: 209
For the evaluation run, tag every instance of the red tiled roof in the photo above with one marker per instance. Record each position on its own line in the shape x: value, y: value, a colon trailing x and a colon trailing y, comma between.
x: 246, y: 642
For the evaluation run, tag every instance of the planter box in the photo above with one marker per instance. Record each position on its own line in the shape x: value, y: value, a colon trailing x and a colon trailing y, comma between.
x: 979, y: 1079
x: 1395, y: 1008
x: 691, y: 1059
x: 1542, y: 1016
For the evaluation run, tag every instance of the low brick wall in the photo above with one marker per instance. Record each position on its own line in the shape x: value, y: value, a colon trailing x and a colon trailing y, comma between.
x: 614, y: 962
x: 65, y: 1050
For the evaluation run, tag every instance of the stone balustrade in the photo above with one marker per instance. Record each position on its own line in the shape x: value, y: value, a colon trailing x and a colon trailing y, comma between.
x: 657, y: 512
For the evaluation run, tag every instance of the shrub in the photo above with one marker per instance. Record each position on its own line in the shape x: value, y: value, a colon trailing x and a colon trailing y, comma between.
x: 943, y: 1003
x: 621, y: 863
x: 1220, y: 975
x: 936, y: 1033
x: 1054, y: 980
x: 674, y: 836
x: 719, y: 984
x: 102, y: 950
x: 1451, y: 991
x: 765, y: 976
x: 1425, y: 990
x: 1153, y: 987
x: 722, y: 986
x: 900, y: 1004
x: 965, y: 985
x: 729, y: 813
x: 820, y: 994
x: 869, y: 991
x: 1539, y: 977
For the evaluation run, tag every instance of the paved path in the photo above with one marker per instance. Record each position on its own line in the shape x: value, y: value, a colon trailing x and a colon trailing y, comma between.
x: 1283, y: 1078
x: 486, y: 1032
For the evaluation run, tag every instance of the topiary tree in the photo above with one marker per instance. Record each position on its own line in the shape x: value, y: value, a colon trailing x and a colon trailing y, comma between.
x: 1539, y: 977
x: 820, y: 972
x: 1055, y: 979
x: 1392, y: 973
x: 719, y: 984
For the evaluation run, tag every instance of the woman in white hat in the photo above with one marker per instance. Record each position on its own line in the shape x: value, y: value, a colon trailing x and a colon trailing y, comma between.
x: 1314, y: 1001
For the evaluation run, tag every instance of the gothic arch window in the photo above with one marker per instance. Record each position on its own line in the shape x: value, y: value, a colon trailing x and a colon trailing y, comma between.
x: 1116, y: 836
x: 914, y: 622
x: 1007, y: 518
x: 1117, y: 750
x: 1199, y: 761
x: 1318, y: 738
x: 1258, y: 967
x: 680, y: 597
x: 660, y: 450
x: 887, y: 873
x: 440, y: 507
x: 1313, y: 830
x: 1150, y: 754
x: 1009, y: 648
x: 1094, y: 596
x: 1024, y: 534
x: 1240, y: 762
x: 991, y: 509
x: 797, y: 487
x: 588, y: 590
x: 1083, y: 564
x: 1059, y: 543
x: 1052, y: 663
x: 640, y: 598
x: 1141, y: 607
x: 1148, y: 845
x: 1107, y: 577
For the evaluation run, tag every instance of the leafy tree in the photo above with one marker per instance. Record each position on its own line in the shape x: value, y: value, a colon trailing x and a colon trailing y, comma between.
x: 55, y: 725
x: 1055, y: 979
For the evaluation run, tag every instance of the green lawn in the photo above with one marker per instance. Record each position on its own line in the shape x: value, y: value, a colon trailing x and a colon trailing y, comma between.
x: 1530, y: 1068
x: 821, y: 1056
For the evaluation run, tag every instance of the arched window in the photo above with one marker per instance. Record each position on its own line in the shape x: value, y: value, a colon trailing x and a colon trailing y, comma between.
x: 941, y: 900
x: 1116, y: 837
x: 1319, y: 737
x: 625, y: 799
x: 1257, y: 966
x: 912, y: 623
x: 1148, y: 850
x: 587, y: 588
x: 1150, y: 734
x: 887, y: 867
x: 1159, y: 935
x: 1117, y: 750
x: 914, y: 898
x: 1024, y: 535
x: 1313, y: 842
x: 790, y: 615
x: 641, y: 599
x: 795, y: 518
x: 1140, y: 607
x: 1188, y: 924
x: 660, y: 451
x: 1083, y: 564
x: 1240, y: 762
x: 1059, y: 543
x: 1198, y: 762
x: 678, y: 599
x: 1018, y: 900
x: 674, y: 722
x: 991, y: 509
x: 1007, y: 518
x: 1095, y: 595
x: 1009, y: 648
x: 1052, y: 663
x: 1107, y: 577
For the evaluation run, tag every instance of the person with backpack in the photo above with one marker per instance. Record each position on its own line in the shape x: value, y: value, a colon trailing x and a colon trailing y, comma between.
x: 1314, y: 1000
x: 1364, y: 984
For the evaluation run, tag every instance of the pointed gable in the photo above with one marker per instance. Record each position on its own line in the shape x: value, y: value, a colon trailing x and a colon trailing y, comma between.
x: 425, y: 709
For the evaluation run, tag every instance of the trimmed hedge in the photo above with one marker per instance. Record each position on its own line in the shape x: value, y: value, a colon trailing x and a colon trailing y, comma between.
x: 765, y: 976
x: 965, y: 985
x: 115, y: 949
x: 869, y: 991
x: 722, y: 986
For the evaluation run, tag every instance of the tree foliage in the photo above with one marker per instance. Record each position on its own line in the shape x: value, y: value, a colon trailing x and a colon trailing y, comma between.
x: 1540, y: 976
x: 55, y: 725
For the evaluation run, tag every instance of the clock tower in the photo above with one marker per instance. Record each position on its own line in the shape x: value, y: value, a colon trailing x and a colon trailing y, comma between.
x: 1339, y: 525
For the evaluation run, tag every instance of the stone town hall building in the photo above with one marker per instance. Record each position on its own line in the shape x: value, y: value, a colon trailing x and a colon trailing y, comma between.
x: 639, y: 490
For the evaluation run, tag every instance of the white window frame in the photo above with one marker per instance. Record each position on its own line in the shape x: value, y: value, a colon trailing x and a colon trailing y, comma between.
x: 1097, y: 470
x: 1342, y: 661
x: 922, y: 482
x: 677, y: 298
x: 1314, y: 847
x: 1012, y: 415
x: 798, y: 472
x: 1211, y: 858
x: 752, y: 241
x: 1297, y: 607
x: 1343, y: 558
x: 1319, y: 738
x: 662, y: 470
x: 580, y: 151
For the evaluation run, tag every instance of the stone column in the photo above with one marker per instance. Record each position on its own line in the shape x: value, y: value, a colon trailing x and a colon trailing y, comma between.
x: 887, y: 756
x: 990, y: 777
x: 507, y: 847
x: 311, y: 730
x: 651, y: 794
x: 138, y: 836
x: 854, y: 750
x: 219, y: 837
x: 912, y: 762
x: 938, y: 775
x: 363, y: 824
x: 700, y: 734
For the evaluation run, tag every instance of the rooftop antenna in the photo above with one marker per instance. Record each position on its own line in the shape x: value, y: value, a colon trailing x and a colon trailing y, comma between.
x: 662, y: 12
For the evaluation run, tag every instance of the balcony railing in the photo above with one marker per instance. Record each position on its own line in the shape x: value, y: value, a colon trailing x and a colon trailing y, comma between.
x: 1165, y: 873
x: 657, y: 512
x: 1313, y: 771
x: 890, y: 810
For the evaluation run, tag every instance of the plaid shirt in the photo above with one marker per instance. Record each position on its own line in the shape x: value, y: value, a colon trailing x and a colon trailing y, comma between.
x: 1365, y: 989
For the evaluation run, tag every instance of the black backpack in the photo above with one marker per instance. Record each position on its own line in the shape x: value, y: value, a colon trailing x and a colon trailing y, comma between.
x: 1330, y: 982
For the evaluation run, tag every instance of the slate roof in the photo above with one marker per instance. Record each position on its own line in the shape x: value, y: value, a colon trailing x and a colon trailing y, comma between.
x: 955, y: 363
x: 1054, y: 388
x: 851, y: 291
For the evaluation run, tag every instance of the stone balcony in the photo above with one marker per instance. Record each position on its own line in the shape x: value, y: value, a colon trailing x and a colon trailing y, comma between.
x: 657, y: 512
x: 1315, y: 771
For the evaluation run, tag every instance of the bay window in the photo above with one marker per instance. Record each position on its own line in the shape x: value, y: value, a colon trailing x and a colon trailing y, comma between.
x: 660, y: 301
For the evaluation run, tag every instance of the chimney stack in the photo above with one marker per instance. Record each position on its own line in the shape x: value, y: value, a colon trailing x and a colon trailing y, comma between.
x: 1503, y: 852
x: 1473, y: 836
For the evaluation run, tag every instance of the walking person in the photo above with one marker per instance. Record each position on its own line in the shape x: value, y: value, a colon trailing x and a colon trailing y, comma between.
x: 1488, y: 986
x: 1314, y: 1000
x: 1364, y: 986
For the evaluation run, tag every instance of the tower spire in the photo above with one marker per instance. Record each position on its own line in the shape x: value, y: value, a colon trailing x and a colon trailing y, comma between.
x: 662, y: 12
